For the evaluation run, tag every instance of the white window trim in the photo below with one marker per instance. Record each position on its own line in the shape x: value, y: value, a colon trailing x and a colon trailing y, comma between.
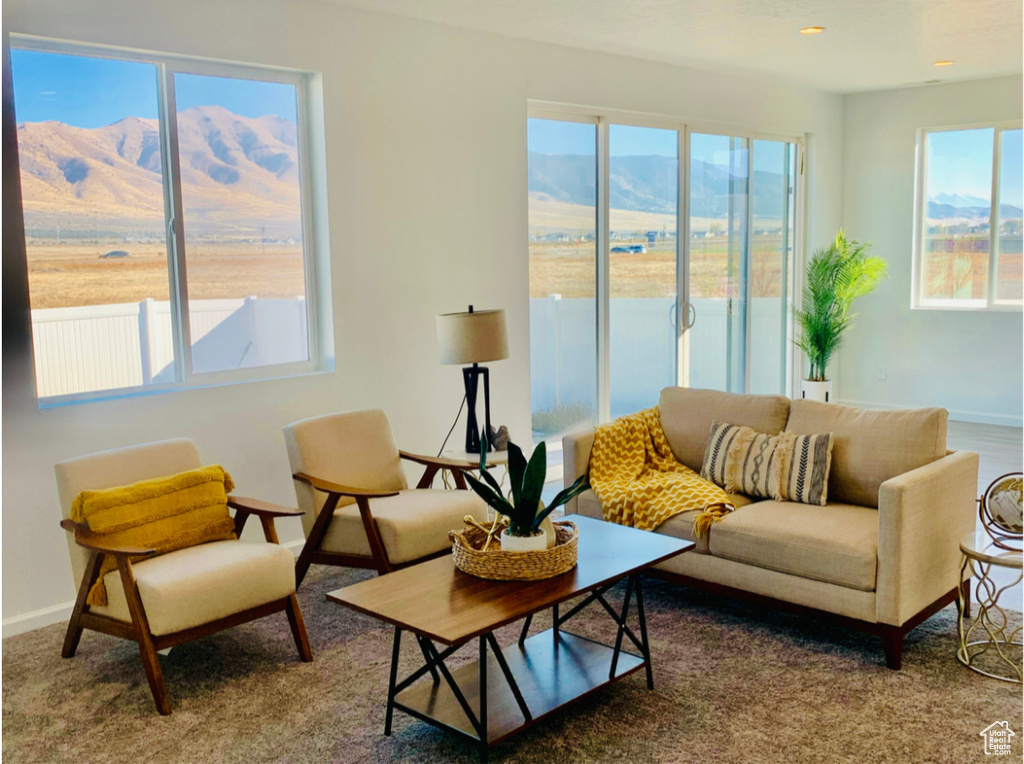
x: 602, y: 118
x: 917, y: 299
x: 312, y: 185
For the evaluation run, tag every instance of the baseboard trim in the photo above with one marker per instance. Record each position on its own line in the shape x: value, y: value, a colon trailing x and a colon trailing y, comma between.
x: 955, y: 415
x: 47, y: 616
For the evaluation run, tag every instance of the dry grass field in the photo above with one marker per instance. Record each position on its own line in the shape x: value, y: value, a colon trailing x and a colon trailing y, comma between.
x: 69, y: 275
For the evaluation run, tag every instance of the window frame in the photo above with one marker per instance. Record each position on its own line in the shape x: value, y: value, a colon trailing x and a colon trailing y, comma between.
x: 316, y: 265
x: 603, y: 119
x: 917, y: 299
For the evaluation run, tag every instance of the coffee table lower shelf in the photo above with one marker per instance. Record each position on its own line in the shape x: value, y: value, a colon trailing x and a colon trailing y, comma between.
x: 551, y: 669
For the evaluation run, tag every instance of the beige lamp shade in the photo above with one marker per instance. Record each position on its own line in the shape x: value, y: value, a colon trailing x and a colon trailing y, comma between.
x: 464, y: 338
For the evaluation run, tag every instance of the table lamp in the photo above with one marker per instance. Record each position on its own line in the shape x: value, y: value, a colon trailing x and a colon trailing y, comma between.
x: 473, y: 338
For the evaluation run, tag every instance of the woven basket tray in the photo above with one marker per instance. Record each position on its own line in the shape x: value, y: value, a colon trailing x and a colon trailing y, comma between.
x: 499, y: 565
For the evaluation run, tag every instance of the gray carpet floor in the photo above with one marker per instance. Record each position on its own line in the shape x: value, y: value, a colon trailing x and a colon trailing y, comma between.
x: 734, y: 683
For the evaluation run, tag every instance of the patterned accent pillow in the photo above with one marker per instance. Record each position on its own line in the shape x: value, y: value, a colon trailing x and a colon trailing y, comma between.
x: 720, y: 440
x: 801, y: 468
x: 749, y: 463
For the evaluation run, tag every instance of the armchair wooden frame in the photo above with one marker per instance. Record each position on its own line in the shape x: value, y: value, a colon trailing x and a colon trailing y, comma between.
x: 378, y: 559
x: 138, y: 630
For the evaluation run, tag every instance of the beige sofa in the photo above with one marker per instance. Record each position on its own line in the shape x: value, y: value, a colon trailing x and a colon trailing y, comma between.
x: 881, y: 556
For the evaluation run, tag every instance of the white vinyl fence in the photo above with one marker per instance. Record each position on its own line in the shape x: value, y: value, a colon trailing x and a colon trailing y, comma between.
x: 105, y: 347
x: 642, y: 350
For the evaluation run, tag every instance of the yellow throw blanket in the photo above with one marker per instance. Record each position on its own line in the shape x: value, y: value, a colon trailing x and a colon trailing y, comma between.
x: 639, y: 482
x: 162, y: 514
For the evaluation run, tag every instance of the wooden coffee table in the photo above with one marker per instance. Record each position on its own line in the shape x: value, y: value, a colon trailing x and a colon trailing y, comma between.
x: 507, y: 690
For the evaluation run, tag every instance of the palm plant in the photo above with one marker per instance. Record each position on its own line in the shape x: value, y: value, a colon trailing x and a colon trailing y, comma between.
x: 836, y: 276
x: 524, y: 511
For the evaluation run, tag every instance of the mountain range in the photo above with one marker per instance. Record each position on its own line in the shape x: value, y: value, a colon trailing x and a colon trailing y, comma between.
x: 239, y: 176
x: 648, y: 184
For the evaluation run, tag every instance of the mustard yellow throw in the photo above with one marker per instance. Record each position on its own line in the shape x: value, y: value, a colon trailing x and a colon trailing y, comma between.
x: 638, y: 480
x: 162, y: 514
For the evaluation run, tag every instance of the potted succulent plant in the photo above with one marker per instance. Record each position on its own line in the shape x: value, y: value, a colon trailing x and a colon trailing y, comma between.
x: 523, y: 507
x: 836, y: 276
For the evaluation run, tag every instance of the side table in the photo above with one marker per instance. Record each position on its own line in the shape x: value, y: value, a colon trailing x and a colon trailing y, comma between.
x: 989, y: 630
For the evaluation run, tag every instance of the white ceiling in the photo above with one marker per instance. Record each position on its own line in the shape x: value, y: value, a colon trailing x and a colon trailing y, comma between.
x: 867, y: 44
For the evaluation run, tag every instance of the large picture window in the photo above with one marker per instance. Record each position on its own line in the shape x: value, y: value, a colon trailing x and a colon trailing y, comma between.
x: 969, y: 214
x: 167, y: 218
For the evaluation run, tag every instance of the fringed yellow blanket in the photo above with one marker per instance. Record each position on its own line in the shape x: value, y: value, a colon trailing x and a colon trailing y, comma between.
x: 162, y: 514
x: 639, y: 482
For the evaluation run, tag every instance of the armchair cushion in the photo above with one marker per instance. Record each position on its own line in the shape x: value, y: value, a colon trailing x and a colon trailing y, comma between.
x: 837, y: 543
x: 165, y: 514
x: 412, y: 524
x: 200, y: 584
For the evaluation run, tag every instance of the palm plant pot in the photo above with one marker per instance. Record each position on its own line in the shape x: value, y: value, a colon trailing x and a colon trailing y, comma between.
x: 816, y: 391
x: 538, y: 542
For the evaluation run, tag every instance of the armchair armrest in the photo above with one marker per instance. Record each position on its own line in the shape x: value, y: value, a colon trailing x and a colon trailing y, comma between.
x: 440, y: 461
x: 98, y: 543
x: 261, y: 508
x: 326, y: 486
x: 576, y: 447
x: 921, y: 516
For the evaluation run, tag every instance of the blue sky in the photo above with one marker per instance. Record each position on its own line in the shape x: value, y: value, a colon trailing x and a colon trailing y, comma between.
x: 92, y: 92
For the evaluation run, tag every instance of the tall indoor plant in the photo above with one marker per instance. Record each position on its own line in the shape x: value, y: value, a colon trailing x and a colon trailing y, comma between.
x: 523, y: 508
x: 836, y: 276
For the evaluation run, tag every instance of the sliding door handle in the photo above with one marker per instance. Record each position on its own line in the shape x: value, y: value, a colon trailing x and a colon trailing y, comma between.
x: 689, y: 316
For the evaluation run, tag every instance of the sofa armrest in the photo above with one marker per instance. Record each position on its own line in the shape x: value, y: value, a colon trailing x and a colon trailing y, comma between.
x: 576, y: 448
x: 922, y: 514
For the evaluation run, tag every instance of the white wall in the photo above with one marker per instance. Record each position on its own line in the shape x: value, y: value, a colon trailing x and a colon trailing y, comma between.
x: 427, y: 179
x: 967, y: 362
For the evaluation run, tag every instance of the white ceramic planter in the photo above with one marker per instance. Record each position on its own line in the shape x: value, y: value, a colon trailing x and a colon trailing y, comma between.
x: 816, y: 391
x: 536, y: 543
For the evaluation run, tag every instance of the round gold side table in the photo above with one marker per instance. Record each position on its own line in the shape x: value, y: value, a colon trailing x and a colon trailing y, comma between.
x: 989, y: 630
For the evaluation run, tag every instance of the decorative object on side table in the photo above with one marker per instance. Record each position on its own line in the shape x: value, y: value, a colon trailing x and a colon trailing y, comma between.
x: 474, y: 337
x: 524, y: 554
x: 1001, y: 509
x: 835, y: 277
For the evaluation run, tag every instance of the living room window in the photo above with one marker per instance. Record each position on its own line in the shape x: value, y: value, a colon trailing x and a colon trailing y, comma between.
x: 168, y: 213
x: 660, y: 254
x: 969, y: 185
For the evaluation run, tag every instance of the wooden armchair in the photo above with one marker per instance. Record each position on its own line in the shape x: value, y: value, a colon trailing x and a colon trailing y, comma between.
x: 358, y: 509
x: 163, y: 600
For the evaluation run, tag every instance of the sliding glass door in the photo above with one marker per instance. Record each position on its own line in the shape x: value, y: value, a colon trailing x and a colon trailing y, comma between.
x: 643, y: 199
x: 658, y: 256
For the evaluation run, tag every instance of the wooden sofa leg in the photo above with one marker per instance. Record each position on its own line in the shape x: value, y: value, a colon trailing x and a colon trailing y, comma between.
x: 892, y: 643
x: 74, y: 633
x: 299, y: 629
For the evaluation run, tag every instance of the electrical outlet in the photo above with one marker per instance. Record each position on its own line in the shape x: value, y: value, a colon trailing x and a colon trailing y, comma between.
x: 882, y: 372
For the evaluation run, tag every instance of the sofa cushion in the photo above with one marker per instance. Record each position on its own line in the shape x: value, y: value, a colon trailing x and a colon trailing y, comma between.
x: 687, y: 414
x: 679, y: 526
x: 837, y: 543
x: 871, y: 445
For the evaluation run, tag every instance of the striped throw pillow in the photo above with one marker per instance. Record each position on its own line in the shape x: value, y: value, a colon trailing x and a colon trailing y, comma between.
x: 801, y: 468
x: 716, y: 451
x: 748, y: 466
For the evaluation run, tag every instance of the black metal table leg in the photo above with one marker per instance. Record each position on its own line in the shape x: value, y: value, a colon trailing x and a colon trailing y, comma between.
x: 526, y: 629
x: 391, y: 682
x: 503, y: 665
x: 483, y: 699
x: 622, y: 627
x: 645, y: 647
x: 426, y: 657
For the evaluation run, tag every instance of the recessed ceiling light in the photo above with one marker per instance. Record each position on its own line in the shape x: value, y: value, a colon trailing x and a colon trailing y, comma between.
x: 932, y: 82
x: 943, y: 63
x: 812, y: 30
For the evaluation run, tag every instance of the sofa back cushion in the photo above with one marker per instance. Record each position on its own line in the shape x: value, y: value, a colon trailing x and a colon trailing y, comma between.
x: 871, y: 445
x: 687, y: 414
